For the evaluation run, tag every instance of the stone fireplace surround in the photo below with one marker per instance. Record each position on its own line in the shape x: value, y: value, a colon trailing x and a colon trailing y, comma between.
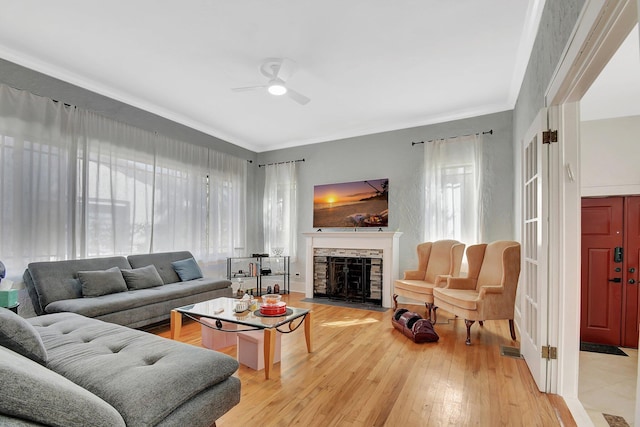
x: 387, y: 241
x: 348, y: 274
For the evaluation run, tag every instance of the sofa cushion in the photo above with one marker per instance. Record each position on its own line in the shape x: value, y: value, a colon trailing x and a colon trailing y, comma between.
x: 464, y: 298
x: 417, y: 286
x: 187, y: 269
x: 108, y: 360
x: 20, y: 336
x: 162, y: 262
x: 105, y: 304
x: 6, y: 420
x: 101, y: 282
x: 57, y: 280
x: 142, y: 278
x: 32, y: 392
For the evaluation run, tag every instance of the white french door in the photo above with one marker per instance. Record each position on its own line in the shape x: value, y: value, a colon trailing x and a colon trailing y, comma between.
x: 534, y: 280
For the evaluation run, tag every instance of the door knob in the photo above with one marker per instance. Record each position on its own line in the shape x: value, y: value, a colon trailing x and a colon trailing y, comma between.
x: 631, y: 281
x: 632, y: 270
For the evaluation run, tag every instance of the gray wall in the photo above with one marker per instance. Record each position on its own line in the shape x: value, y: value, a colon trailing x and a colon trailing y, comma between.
x: 391, y: 155
x: 37, y: 83
x: 557, y: 22
x: 556, y: 25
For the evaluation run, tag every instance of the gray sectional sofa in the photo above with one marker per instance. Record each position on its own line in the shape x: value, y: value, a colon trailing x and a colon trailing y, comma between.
x: 68, y: 370
x: 94, y: 287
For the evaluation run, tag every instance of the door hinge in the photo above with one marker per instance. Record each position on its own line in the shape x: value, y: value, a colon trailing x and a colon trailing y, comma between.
x: 549, y: 353
x: 549, y: 136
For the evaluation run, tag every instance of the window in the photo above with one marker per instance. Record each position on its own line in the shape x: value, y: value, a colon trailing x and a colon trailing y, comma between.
x: 74, y: 184
x: 452, y: 178
x: 279, y: 208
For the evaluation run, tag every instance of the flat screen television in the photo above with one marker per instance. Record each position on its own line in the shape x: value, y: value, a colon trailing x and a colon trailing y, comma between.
x: 351, y: 204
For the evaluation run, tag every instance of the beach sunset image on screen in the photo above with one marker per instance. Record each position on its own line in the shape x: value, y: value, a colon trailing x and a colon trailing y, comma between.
x: 351, y: 204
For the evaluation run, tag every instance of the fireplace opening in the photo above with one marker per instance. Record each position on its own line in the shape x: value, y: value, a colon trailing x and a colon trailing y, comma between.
x: 350, y: 279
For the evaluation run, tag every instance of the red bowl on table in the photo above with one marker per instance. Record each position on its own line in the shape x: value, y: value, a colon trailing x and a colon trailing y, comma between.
x: 272, y: 305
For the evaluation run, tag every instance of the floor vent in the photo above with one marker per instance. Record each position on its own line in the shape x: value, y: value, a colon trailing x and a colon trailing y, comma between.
x: 510, y: 352
x: 615, y: 420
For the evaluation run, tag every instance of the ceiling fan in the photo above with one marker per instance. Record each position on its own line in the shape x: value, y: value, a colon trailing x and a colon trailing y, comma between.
x: 278, y: 71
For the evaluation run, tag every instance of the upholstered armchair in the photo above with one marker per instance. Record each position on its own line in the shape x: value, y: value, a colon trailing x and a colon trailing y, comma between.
x: 436, y: 261
x: 489, y: 290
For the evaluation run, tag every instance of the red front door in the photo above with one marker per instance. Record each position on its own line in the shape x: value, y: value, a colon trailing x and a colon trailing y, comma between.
x: 631, y: 265
x: 602, y: 287
x: 610, y: 262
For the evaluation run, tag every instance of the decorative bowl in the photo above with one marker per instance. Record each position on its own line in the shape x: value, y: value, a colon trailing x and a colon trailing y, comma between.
x: 271, y: 299
x: 274, y: 309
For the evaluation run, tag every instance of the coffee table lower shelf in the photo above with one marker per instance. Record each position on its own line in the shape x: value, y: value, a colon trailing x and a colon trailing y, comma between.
x: 269, y: 331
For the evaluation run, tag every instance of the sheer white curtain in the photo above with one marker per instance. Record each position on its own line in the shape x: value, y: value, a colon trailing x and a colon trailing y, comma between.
x: 180, y: 197
x: 280, y: 208
x: 75, y: 184
x: 115, y: 182
x: 453, y: 177
x: 227, y: 205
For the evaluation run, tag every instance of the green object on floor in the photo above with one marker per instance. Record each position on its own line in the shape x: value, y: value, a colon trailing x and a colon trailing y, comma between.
x: 8, y: 298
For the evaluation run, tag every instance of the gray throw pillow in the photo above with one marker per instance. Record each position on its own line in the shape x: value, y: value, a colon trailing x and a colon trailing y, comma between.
x: 102, y: 282
x: 187, y: 269
x: 20, y: 336
x: 143, y: 277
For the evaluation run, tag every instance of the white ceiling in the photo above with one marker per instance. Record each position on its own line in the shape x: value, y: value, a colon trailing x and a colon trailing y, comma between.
x: 367, y: 65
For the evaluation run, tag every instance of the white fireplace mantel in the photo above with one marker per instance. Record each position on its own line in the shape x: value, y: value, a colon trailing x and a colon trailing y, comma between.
x: 388, y: 241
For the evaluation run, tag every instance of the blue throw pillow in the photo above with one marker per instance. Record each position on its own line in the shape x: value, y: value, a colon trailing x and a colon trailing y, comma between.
x: 187, y: 269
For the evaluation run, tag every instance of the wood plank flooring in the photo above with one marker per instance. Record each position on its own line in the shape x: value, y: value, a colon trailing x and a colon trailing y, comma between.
x: 363, y: 372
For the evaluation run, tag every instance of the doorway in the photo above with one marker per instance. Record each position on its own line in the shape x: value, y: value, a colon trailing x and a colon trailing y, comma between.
x: 609, y: 283
x: 601, y: 30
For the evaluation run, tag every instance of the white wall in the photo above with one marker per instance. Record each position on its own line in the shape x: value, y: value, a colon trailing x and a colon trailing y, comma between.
x: 609, y: 156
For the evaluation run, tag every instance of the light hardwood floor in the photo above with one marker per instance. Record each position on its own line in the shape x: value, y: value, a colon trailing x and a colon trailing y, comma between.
x: 362, y: 372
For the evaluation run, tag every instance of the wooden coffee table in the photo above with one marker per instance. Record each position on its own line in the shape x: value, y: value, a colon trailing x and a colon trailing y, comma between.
x: 221, y: 310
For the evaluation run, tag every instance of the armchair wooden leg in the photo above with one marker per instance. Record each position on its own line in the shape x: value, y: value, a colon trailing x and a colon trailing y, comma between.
x: 468, y: 323
x: 512, y: 329
x: 395, y: 302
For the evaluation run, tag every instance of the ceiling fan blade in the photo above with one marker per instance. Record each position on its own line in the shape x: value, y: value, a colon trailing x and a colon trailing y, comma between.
x: 298, y: 97
x: 286, y: 69
x: 247, y: 88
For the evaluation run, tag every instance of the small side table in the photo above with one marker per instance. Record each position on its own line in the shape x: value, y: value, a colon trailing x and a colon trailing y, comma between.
x: 14, y: 307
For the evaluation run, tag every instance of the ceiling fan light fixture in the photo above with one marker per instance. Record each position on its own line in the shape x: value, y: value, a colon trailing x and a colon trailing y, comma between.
x: 277, y: 89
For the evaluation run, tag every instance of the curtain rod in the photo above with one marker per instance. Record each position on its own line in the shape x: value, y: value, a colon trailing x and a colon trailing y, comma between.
x: 490, y: 132
x: 280, y: 163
